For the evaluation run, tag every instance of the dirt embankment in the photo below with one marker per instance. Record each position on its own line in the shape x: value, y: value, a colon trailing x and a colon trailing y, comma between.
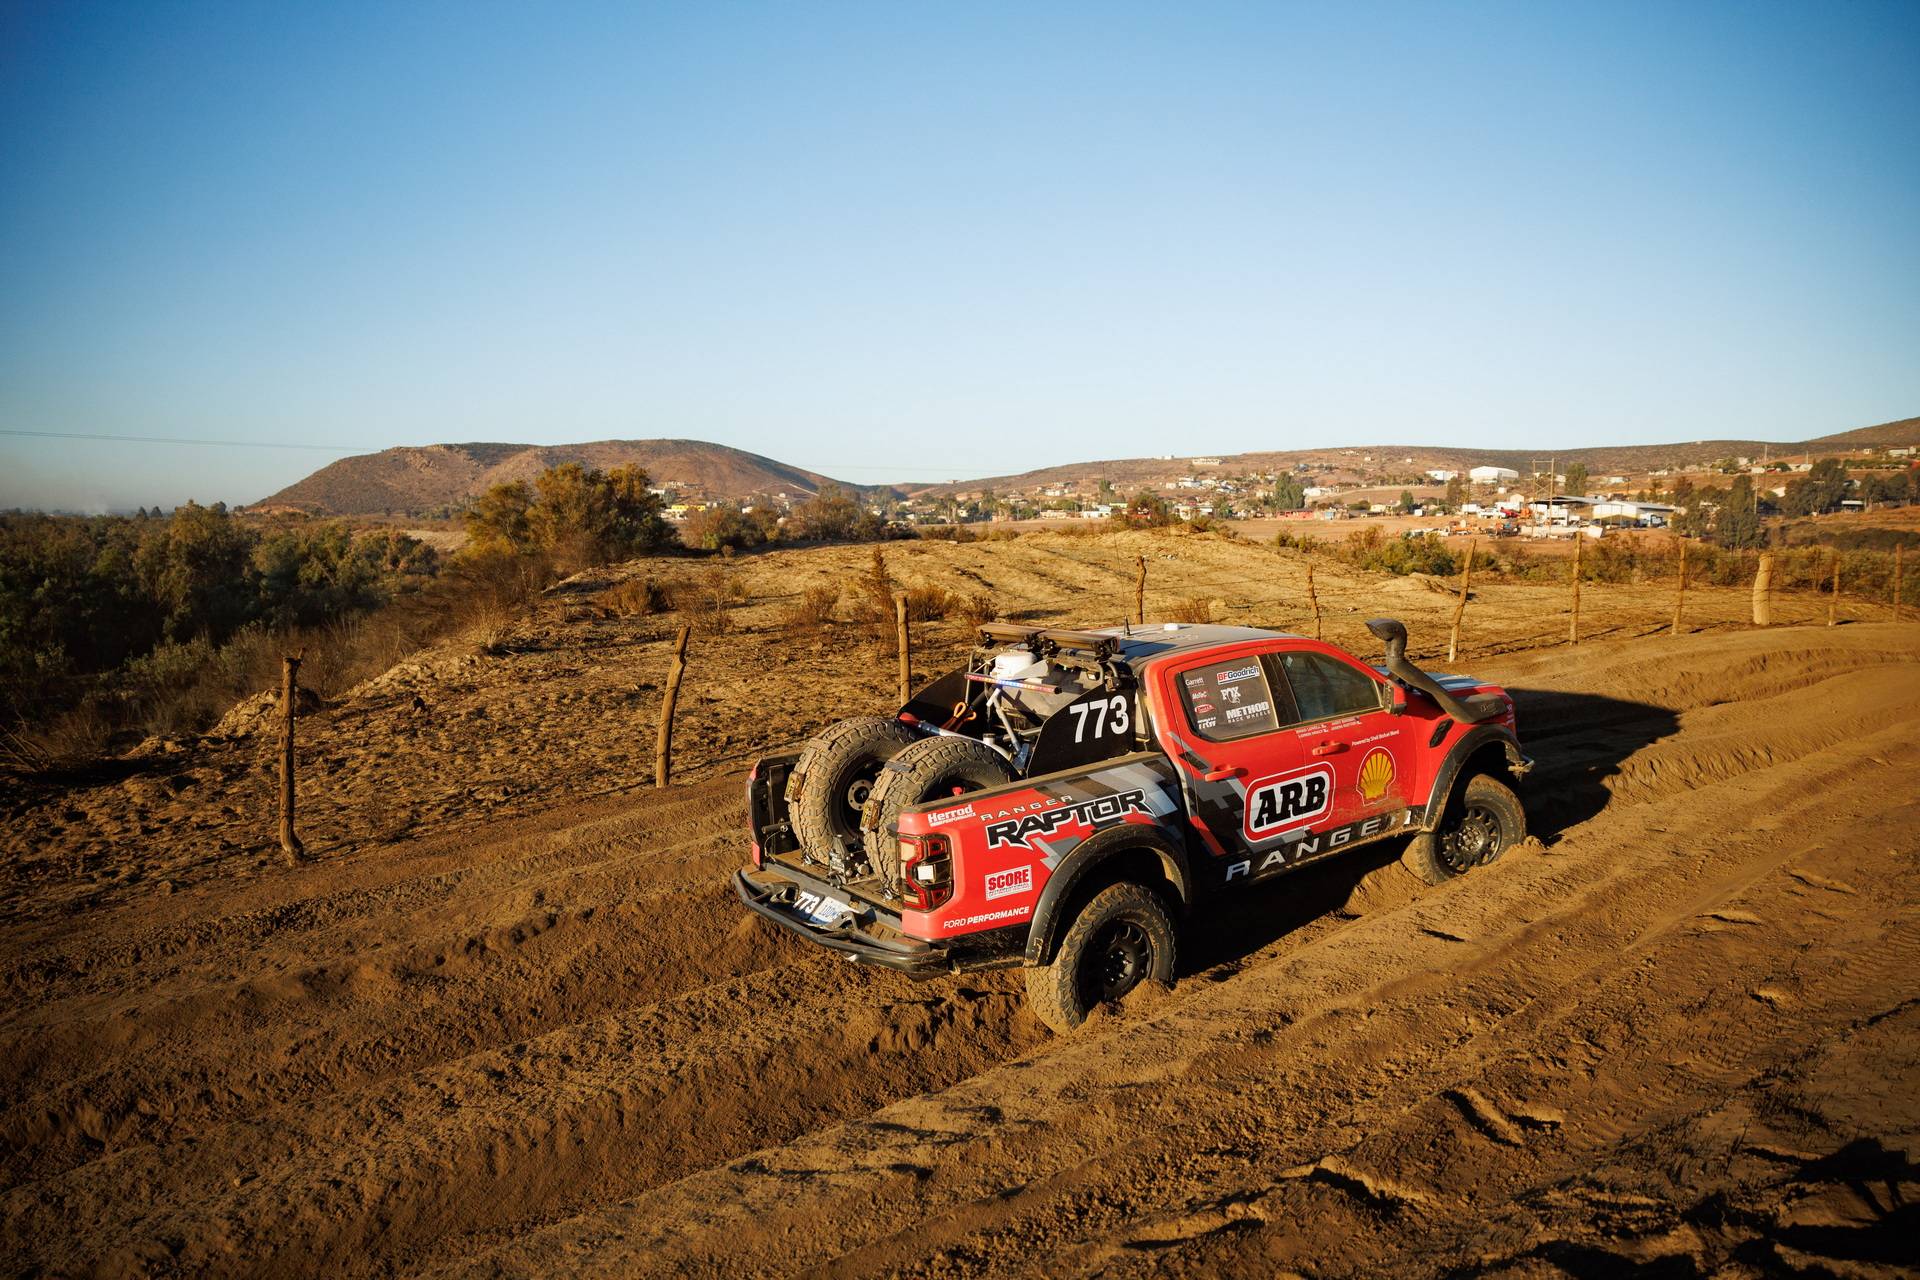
x: 1683, y: 1035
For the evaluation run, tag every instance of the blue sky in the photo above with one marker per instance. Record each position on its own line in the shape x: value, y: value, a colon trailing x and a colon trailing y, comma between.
x: 909, y: 241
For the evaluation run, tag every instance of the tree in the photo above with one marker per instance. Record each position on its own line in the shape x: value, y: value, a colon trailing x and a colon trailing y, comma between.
x: 1456, y: 490
x: 579, y: 516
x: 1145, y: 509
x: 198, y: 569
x: 1737, y: 523
x: 1577, y: 479
x: 1821, y: 490
x: 829, y: 516
x: 712, y: 528
x: 1406, y: 502
x: 1289, y: 494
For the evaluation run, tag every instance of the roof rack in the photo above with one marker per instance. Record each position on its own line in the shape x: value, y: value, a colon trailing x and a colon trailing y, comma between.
x: 1045, y: 639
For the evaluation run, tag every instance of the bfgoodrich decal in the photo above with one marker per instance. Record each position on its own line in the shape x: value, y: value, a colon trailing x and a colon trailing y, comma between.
x: 1287, y: 801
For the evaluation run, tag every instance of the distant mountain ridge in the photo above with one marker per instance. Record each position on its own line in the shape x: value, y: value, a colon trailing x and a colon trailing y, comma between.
x: 428, y: 477
x: 424, y: 478
x: 1125, y: 473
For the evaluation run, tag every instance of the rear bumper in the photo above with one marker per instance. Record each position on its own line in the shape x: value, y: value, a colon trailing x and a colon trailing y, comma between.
x: 866, y: 936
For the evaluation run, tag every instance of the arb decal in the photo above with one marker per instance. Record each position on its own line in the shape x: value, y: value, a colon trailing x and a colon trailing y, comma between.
x: 1287, y: 801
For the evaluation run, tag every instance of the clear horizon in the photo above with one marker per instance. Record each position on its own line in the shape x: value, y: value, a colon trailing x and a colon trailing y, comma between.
x: 896, y: 245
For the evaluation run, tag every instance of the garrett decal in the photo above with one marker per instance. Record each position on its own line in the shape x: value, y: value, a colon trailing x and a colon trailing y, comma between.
x: 1018, y: 832
x: 1014, y: 880
x: 1290, y: 800
x: 1376, y: 774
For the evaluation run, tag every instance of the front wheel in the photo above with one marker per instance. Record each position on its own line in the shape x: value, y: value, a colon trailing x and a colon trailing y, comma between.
x: 1482, y: 820
x: 1120, y: 939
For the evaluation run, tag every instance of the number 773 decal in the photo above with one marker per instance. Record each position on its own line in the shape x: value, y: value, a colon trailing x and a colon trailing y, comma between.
x: 1100, y: 717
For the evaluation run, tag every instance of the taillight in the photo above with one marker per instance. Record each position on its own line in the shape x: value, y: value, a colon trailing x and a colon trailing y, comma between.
x: 926, y: 871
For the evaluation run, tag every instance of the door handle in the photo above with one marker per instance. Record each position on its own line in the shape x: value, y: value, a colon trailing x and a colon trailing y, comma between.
x: 1328, y: 749
x: 1222, y: 774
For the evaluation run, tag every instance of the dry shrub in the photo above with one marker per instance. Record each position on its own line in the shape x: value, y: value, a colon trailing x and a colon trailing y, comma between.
x: 930, y: 604
x: 812, y: 609
x: 710, y: 597
x: 1193, y: 609
x: 636, y: 598
x: 977, y: 608
x: 871, y: 598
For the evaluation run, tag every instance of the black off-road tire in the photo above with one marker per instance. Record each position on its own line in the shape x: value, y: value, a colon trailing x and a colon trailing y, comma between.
x: 1482, y: 820
x: 930, y: 769
x: 1123, y: 936
x: 830, y: 782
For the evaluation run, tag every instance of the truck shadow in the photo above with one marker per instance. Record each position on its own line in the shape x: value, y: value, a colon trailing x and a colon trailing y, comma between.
x: 1577, y: 742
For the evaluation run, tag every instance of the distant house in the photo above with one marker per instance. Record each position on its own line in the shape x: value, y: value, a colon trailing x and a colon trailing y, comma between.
x: 1441, y: 474
x: 1492, y: 475
x: 1633, y: 510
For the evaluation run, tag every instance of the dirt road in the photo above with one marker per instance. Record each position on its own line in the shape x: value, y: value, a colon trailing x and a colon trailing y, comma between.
x: 1685, y: 1031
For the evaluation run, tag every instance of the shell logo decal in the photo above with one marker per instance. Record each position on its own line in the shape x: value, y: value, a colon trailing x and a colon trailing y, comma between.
x: 1376, y: 774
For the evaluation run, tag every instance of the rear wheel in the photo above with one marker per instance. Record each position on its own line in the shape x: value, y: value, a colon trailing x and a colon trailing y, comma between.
x: 1482, y: 821
x: 930, y: 769
x: 832, y: 779
x: 1123, y: 937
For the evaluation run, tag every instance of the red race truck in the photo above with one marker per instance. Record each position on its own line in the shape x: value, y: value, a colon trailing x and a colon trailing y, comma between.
x: 1067, y: 800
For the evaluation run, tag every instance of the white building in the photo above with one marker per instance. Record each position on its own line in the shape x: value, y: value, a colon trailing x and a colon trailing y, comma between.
x: 1492, y: 475
x: 1441, y: 474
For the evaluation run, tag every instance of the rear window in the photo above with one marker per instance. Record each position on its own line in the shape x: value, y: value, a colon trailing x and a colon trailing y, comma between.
x: 1324, y: 687
x: 1229, y: 700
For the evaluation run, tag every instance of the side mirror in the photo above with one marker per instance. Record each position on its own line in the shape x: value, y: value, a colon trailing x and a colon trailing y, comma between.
x: 1398, y: 705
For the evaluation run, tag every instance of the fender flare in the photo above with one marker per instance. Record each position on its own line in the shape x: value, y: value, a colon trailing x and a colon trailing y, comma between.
x: 1099, y: 848
x: 1474, y: 740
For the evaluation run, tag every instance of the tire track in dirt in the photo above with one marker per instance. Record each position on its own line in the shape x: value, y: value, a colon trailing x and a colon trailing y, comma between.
x: 1296, y: 1058
x: 677, y: 1116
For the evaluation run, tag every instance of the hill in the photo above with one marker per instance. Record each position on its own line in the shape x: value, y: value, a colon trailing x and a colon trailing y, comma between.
x: 439, y: 475
x: 1362, y: 460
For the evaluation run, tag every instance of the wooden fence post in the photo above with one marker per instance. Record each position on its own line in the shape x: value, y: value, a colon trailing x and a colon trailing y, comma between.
x: 1313, y: 599
x: 1140, y: 595
x: 902, y: 643
x: 1680, y: 596
x: 1763, y: 591
x: 1573, y: 622
x: 1833, y: 601
x: 663, y: 743
x: 1460, y: 606
x: 289, y: 689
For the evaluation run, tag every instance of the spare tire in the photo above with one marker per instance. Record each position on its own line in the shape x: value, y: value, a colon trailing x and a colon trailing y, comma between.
x: 930, y: 769
x: 831, y: 781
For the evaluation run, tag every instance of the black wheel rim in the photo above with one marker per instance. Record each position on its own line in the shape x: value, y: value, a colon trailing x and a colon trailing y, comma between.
x: 1119, y: 958
x: 1474, y: 840
x: 853, y: 796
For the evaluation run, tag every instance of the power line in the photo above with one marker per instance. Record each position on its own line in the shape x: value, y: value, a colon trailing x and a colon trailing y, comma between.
x: 947, y: 470
x: 223, y: 444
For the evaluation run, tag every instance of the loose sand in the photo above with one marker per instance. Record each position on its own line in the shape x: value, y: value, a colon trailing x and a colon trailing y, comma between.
x: 510, y: 1021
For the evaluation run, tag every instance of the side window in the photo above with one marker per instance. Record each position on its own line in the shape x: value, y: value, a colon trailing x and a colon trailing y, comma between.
x: 1324, y: 687
x: 1230, y: 700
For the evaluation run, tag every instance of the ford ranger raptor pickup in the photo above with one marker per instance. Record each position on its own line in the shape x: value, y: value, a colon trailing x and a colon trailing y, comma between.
x: 1069, y: 800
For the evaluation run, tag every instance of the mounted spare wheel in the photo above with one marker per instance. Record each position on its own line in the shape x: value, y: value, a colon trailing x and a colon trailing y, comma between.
x: 931, y: 769
x: 831, y: 781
